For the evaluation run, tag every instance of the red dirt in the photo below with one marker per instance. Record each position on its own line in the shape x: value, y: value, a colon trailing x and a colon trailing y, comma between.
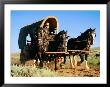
x: 67, y: 71
x: 78, y: 71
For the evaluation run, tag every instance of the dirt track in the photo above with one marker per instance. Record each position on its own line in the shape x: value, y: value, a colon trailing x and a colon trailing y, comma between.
x: 67, y: 71
x: 78, y: 71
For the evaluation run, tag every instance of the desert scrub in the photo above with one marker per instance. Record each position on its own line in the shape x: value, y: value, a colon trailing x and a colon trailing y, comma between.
x: 28, y: 71
x: 15, y: 58
x: 94, y: 61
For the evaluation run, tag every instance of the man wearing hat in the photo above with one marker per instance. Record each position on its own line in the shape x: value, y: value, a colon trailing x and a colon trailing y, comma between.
x: 46, y: 25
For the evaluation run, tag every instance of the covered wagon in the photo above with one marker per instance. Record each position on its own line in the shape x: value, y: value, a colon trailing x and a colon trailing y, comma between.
x: 37, y: 38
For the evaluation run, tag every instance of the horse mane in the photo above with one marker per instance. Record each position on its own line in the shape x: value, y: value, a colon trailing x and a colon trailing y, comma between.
x: 62, y: 32
x: 83, y: 36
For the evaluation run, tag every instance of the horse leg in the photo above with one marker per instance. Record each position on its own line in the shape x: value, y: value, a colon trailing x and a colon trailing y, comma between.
x: 71, y: 61
x: 37, y: 59
x: 49, y: 58
x: 34, y: 61
x: 58, y: 61
x: 75, y: 61
x: 86, y: 64
x: 64, y: 59
x: 55, y: 57
x: 81, y: 57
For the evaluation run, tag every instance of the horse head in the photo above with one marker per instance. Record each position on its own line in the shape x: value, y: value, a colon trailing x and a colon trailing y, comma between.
x: 62, y: 35
x: 61, y: 39
x: 92, y: 35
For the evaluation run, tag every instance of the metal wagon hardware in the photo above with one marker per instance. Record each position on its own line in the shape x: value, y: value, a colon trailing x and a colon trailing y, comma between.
x: 43, y: 41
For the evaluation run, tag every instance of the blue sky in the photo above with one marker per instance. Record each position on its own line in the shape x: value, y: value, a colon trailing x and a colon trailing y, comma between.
x: 72, y: 21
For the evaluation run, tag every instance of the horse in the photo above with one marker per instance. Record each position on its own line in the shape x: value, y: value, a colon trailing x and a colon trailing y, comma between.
x: 82, y: 42
x: 58, y: 45
x: 62, y: 38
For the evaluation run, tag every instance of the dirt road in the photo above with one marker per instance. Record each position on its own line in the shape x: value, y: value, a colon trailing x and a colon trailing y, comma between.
x: 78, y: 72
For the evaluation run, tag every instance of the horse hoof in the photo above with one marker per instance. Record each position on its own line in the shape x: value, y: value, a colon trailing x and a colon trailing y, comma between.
x: 72, y: 67
x: 56, y: 68
x: 78, y: 63
x: 75, y: 65
x: 87, y: 68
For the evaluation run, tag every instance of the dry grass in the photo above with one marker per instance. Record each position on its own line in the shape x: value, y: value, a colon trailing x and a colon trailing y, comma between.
x: 17, y: 70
